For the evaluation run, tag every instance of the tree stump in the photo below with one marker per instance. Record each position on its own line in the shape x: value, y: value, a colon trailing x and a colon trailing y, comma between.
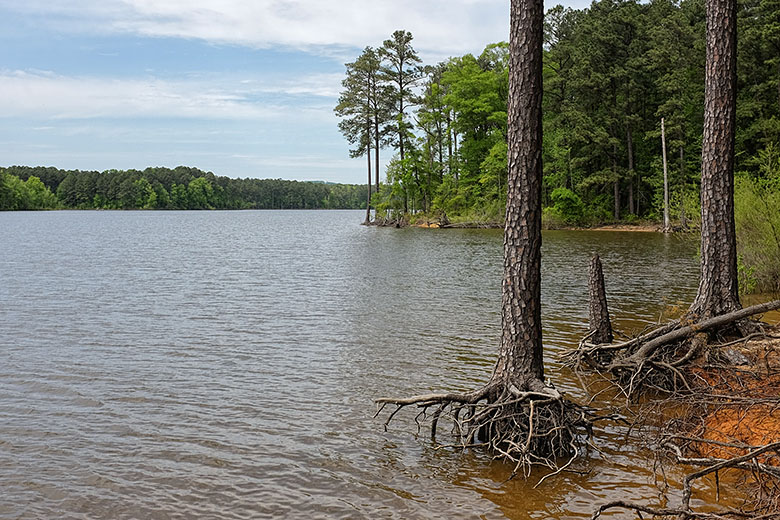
x: 598, y: 318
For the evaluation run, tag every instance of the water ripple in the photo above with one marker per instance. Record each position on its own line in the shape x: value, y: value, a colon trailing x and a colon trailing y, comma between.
x: 222, y: 364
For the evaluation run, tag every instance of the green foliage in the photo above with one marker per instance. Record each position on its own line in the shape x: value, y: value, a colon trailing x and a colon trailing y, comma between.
x: 746, y: 276
x: 200, y: 194
x: 551, y: 219
x: 685, y: 207
x: 757, y: 214
x: 568, y: 206
x: 165, y: 188
x: 32, y: 194
x: 611, y: 72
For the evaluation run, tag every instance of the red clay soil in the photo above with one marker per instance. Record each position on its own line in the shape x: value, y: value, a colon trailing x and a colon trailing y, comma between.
x: 745, y: 408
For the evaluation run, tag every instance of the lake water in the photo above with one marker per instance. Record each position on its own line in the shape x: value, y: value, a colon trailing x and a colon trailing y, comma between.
x: 223, y: 364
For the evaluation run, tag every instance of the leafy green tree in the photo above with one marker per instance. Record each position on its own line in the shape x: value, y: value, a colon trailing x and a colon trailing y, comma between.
x: 200, y: 193
x: 32, y: 194
x: 758, y: 108
x: 6, y: 193
x: 40, y: 197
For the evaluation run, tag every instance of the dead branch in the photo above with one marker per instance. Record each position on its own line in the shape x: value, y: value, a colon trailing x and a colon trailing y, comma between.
x: 645, y: 345
x: 712, y: 465
x: 727, y: 463
x: 639, y: 509
x: 648, y: 348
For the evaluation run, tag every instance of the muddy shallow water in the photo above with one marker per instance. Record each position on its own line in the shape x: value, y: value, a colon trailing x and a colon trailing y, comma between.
x: 223, y: 364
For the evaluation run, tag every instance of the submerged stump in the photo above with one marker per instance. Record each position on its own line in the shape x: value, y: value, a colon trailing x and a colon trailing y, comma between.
x: 598, y: 313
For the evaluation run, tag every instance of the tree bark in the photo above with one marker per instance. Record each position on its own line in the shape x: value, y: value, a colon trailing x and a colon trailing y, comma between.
x: 449, y: 142
x: 615, y: 183
x: 718, y: 291
x: 376, y: 152
x: 630, y: 145
x: 683, y: 217
x: 455, y: 141
x: 666, y: 178
x: 598, y: 313
x: 616, y: 194
x: 520, y: 359
x: 368, y: 200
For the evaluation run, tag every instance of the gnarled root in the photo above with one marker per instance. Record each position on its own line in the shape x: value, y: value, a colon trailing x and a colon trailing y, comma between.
x: 526, y: 428
x: 655, y: 359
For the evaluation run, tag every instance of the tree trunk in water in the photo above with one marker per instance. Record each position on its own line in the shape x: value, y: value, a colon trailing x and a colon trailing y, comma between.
x: 598, y: 313
x: 718, y: 287
x: 630, y: 145
x: 520, y: 359
x: 667, y: 227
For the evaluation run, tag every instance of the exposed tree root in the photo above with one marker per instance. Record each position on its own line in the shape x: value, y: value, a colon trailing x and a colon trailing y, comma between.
x: 728, y: 423
x: 656, y: 359
x: 526, y: 428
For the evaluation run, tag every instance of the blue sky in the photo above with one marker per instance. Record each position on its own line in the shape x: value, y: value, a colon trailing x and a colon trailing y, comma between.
x: 238, y: 87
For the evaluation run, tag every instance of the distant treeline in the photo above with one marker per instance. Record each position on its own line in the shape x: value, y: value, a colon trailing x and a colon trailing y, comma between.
x: 24, y: 187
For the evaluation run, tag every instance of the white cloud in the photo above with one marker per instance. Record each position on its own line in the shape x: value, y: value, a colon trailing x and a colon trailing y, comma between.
x: 441, y: 27
x: 317, y: 85
x: 43, y: 94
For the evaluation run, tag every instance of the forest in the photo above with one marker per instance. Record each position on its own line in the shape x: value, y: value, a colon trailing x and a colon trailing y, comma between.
x: 611, y: 73
x: 680, y: 375
x: 30, y: 188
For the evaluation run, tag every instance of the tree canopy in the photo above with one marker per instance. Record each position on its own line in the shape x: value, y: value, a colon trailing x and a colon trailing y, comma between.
x: 24, y: 187
x: 611, y: 72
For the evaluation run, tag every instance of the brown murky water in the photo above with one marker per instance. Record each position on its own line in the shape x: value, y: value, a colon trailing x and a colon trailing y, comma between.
x: 222, y: 364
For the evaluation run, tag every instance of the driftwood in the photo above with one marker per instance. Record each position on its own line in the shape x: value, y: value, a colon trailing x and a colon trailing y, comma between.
x: 471, y: 225
x: 645, y: 350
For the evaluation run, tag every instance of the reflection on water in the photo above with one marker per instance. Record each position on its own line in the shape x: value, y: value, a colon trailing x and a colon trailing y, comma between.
x: 223, y: 364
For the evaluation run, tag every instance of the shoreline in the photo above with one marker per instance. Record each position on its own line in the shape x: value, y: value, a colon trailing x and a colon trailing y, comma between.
x: 638, y: 228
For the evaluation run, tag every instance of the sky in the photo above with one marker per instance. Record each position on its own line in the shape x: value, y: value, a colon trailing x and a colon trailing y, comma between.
x: 241, y: 88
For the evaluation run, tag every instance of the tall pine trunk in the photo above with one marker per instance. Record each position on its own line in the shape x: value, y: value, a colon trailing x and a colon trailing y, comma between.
x: 455, y: 157
x: 630, y: 145
x: 401, y: 129
x: 615, y: 183
x: 667, y: 226
x: 718, y: 288
x: 683, y: 216
x: 376, y: 153
x: 520, y: 360
x: 368, y: 200
x: 449, y: 143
